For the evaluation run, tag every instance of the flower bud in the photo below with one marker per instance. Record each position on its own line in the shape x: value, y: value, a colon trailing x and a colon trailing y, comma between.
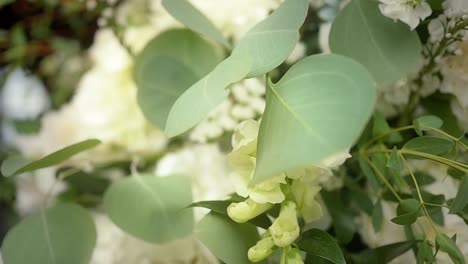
x: 285, y: 229
x: 264, y: 248
x: 246, y: 210
x: 293, y: 256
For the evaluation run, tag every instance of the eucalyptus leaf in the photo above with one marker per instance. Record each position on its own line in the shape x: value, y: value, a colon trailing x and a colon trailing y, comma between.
x: 447, y: 245
x: 317, y: 109
x: 64, y: 233
x: 426, y: 122
x: 192, y: 18
x: 461, y: 200
x: 168, y: 65
x: 151, y: 208
x: 15, y: 165
x: 429, y: 144
x: 261, y: 50
x: 227, y: 240
x: 319, y: 243
x: 377, y: 216
x: 383, y: 254
x: 388, y: 49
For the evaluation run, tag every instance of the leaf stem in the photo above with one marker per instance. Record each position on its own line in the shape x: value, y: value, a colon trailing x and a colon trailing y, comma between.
x: 382, y: 177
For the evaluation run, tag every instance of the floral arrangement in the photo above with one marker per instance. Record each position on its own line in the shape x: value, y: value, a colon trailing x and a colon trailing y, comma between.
x: 267, y: 131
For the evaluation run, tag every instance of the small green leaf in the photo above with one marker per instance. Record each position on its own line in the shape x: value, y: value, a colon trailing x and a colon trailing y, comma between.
x: 423, y: 178
x: 405, y: 219
x: 62, y: 234
x: 319, y: 108
x: 429, y: 144
x: 261, y: 50
x: 15, y: 165
x: 192, y: 18
x: 380, y: 127
x: 361, y: 32
x: 394, y: 162
x: 448, y: 246
x: 151, y: 208
x: 461, y: 200
x: 427, y: 122
x: 408, y: 211
x: 369, y: 174
x: 227, y: 240
x: 342, y: 216
x: 383, y: 254
x: 377, y: 216
x: 319, y: 243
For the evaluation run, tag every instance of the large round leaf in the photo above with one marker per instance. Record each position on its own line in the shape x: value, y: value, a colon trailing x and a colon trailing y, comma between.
x: 317, y: 109
x: 227, y: 240
x: 388, y: 49
x: 169, y: 65
x: 151, y: 208
x: 62, y: 234
x: 261, y: 50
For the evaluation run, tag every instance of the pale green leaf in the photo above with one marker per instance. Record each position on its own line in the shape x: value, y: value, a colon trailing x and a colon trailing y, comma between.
x: 317, y: 109
x: 227, y: 240
x: 15, y: 165
x: 427, y: 122
x: 62, y: 234
x: 270, y: 42
x: 151, y: 208
x: 192, y: 18
x: 388, y: 49
x: 167, y: 67
x: 447, y: 245
x: 261, y: 50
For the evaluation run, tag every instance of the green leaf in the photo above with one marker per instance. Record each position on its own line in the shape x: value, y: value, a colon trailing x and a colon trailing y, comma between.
x: 461, y: 200
x: 383, y: 254
x: 227, y: 240
x: 394, y: 162
x: 151, y: 208
x: 427, y: 122
x: 424, y: 253
x: 5, y: 2
x: 448, y: 246
x: 423, y: 178
x: 271, y: 41
x: 408, y: 211
x: 342, y: 216
x: 15, y: 165
x: 369, y: 174
x: 168, y: 65
x: 192, y: 18
x: 377, y: 216
x: 380, y: 127
x: 429, y: 144
x: 62, y: 234
x: 261, y: 50
x: 319, y: 243
x: 317, y: 109
x: 387, y: 49
x: 208, y: 93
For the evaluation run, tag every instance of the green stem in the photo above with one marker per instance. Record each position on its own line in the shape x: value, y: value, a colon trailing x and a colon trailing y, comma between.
x: 418, y: 191
x: 382, y: 177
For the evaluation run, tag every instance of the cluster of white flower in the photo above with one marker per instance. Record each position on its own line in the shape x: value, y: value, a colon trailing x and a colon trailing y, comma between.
x: 392, y: 233
x: 115, y: 247
x: 407, y: 11
x: 304, y: 187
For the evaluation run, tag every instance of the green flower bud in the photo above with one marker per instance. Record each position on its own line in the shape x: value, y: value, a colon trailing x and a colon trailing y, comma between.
x: 246, y: 210
x: 285, y: 228
x: 264, y: 248
x: 292, y: 256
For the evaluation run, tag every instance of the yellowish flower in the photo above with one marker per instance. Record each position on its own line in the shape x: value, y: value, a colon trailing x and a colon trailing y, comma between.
x: 285, y: 228
x: 246, y: 210
x: 264, y: 248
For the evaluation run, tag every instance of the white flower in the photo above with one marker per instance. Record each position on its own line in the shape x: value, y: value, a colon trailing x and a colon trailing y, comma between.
x: 37, y: 190
x: 23, y: 96
x: 324, y: 33
x: 207, y: 167
x: 115, y: 247
x: 297, y: 54
x: 392, y: 98
x: 244, y: 211
x: 454, y: 8
x: 407, y: 11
